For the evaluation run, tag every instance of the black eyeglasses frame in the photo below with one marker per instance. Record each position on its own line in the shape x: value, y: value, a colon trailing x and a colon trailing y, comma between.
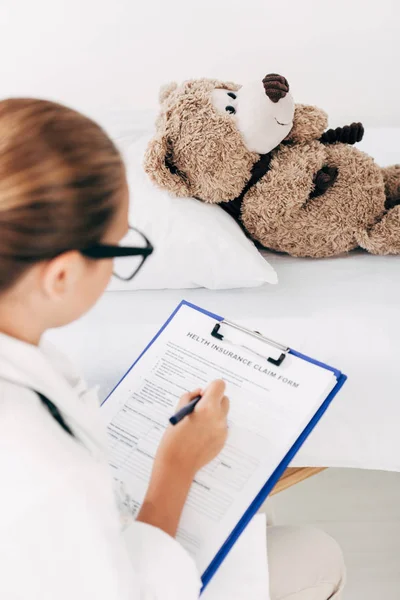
x: 108, y: 251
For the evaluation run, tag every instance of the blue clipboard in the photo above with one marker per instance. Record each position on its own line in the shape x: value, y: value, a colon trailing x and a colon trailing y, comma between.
x: 273, y: 479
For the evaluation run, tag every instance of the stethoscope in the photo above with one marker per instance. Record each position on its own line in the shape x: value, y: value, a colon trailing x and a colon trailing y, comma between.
x: 51, y: 407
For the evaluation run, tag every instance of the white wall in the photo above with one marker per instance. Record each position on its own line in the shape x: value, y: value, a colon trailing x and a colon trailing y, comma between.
x: 95, y: 54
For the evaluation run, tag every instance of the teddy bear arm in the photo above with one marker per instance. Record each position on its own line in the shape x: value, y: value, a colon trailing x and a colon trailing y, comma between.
x: 309, y: 123
x: 290, y: 180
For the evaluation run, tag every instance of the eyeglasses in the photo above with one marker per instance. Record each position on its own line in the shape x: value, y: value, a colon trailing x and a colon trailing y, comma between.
x: 134, y: 245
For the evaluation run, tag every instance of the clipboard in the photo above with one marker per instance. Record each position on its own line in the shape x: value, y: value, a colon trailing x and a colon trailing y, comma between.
x: 283, y: 351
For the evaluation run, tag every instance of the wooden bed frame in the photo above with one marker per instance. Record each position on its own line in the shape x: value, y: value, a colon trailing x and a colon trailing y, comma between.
x: 294, y: 475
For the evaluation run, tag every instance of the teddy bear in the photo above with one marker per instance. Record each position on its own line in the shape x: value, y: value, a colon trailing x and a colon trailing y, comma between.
x: 293, y: 185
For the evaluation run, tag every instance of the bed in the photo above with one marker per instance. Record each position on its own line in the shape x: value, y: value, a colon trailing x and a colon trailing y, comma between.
x: 344, y: 311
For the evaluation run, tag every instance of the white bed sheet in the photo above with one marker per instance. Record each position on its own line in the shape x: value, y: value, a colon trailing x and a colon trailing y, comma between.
x: 344, y: 311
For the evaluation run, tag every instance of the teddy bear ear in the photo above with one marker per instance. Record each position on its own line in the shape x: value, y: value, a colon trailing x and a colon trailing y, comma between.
x: 159, y: 165
x: 166, y: 90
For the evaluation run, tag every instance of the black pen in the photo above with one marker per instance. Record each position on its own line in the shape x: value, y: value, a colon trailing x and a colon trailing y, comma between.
x: 184, y: 411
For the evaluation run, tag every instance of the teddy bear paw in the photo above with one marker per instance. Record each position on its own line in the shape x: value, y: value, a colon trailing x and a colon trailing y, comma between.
x: 349, y: 134
x: 323, y: 180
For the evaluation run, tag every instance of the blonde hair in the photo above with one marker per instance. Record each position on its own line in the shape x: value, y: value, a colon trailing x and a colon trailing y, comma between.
x: 60, y: 178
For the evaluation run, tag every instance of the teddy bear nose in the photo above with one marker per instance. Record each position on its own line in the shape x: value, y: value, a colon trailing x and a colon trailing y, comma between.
x: 275, y: 86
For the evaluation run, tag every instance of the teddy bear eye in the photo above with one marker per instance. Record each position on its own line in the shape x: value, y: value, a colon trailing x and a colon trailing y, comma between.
x: 230, y: 109
x: 232, y: 95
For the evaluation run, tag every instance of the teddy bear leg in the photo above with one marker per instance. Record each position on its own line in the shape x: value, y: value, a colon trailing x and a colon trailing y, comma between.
x: 391, y: 177
x: 384, y: 237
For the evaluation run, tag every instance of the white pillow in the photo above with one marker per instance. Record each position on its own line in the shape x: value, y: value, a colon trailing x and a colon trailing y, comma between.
x: 196, y: 244
x: 126, y: 126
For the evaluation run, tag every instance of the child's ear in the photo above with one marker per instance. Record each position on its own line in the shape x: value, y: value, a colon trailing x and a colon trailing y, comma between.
x: 159, y: 165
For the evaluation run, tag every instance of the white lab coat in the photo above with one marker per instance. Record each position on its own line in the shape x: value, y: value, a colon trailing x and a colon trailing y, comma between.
x: 60, y: 533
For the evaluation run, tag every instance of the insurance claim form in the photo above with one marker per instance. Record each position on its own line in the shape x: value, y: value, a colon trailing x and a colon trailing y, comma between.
x: 269, y: 408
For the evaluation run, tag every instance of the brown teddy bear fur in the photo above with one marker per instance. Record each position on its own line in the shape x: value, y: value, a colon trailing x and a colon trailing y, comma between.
x: 199, y: 152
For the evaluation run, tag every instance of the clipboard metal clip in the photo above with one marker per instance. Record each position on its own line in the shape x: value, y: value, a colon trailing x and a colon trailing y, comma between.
x: 255, y: 334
